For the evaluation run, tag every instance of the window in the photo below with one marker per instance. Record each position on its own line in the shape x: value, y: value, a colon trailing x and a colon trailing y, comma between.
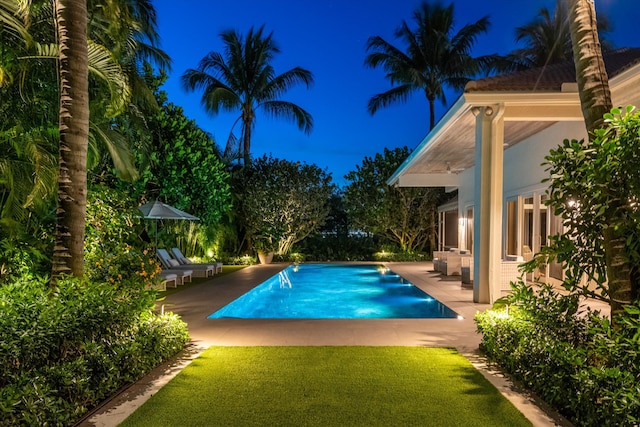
x: 469, y: 230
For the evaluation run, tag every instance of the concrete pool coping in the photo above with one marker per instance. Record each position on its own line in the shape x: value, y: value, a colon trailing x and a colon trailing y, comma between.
x: 198, y: 302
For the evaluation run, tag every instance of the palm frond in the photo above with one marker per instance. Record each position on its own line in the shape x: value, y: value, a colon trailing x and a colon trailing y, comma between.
x: 285, y: 81
x: 28, y: 171
x: 119, y: 149
x: 289, y: 111
x: 232, y: 150
x: 397, y: 94
x: 103, y: 64
x: 14, y: 14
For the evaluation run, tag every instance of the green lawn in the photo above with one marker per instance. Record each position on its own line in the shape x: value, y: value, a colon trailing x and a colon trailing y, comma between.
x: 328, y: 386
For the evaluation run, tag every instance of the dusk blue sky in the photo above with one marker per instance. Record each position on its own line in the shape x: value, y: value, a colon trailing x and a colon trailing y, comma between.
x: 328, y: 37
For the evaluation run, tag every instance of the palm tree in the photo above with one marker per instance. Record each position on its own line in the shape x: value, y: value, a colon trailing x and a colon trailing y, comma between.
x: 68, y: 257
x: 242, y: 78
x: 595, y: 98
x: 547, y: 38
x: 434, y: 57
x: 123, y: 36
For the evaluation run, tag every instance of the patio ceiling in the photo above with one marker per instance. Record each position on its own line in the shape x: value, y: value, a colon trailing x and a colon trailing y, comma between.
x: 455, y: 151
x: 450, y: 148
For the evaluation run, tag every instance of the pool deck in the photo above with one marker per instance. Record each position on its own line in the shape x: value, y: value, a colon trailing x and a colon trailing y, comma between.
x: 198, y: 302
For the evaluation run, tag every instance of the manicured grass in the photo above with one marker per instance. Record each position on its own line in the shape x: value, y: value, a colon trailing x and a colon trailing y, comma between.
x: 226, y: 269
x: 328, y: 386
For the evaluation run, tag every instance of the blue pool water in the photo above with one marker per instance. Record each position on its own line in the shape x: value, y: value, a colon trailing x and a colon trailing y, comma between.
x: 335, y: 291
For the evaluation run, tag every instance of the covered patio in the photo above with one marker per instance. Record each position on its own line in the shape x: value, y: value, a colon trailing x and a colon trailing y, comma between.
x: 489, y: 147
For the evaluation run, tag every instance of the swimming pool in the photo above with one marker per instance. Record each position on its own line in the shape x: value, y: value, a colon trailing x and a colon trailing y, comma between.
x: 335, y: 291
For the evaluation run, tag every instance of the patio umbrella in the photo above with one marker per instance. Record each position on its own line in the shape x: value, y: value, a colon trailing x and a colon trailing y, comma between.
x: 157, y: 210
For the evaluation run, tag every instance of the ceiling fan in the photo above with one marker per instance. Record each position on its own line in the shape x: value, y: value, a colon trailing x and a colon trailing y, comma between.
x: 453, y: 170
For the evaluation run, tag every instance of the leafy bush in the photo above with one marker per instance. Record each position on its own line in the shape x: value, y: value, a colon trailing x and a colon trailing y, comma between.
x: 398, y: 255
x: 126, y: 266
x: 62, y: 351
x: 573, y: 360
x: 238, y: 260
x: 290, y: 257
x: 336, y: 247
x: 594, y: 185
x: 112, y: 229
x: 18, y: 259
x: 184, y: 167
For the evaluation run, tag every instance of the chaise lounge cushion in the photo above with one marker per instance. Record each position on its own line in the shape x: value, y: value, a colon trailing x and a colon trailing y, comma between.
x: 177, y: 254
x: 199, y: 270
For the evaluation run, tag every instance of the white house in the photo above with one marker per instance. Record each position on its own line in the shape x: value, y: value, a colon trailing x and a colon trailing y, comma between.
x: 490, y: 146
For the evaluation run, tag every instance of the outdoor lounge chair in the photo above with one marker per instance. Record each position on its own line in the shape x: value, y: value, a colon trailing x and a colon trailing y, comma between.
x: 177, y: 254
x: 169, y: 263
x: 184, y: 276
x: 168, y: 278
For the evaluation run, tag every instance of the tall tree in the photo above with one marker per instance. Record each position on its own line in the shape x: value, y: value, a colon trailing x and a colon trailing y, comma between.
x: 71, y: 16
x: 547, y: 38
x: 595, y: 98
x: 279, y: 202
x: 29, y: 88
x: 242, y: 78
x: 435, y: 57
x: 404, y: 216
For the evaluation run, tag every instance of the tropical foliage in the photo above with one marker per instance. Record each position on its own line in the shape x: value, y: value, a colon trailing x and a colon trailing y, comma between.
x: 112, y: 252
x: 405, y: 216
x: 595, y: 186
x: 184, y: 169
x: 30, y: 109
x: 68, y: 347
x: 179, y: 164
x: 434, y: 57
x: 281, y: 202
x: 583, y: 364
x: 243, y: 78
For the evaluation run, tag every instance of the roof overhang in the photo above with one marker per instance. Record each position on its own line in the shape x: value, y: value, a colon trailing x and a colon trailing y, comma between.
x: 450, y: 147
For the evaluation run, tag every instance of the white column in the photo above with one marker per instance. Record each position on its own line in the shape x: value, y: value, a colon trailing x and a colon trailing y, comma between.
x: 488, y: 195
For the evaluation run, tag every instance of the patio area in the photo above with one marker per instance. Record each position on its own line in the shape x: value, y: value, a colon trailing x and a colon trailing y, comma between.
x: 198, y: 302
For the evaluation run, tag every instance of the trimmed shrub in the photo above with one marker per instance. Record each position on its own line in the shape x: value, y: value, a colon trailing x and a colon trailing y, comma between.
x: 63, y: 351
x: 336, y: 247
x: 573, y: 360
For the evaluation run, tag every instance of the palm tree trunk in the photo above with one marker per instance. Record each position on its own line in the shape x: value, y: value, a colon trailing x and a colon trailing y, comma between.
x: 591, y: 75
x: 432, y: 113
x: 595, y: 98
x: 246, y: 140
x: 68, y: 257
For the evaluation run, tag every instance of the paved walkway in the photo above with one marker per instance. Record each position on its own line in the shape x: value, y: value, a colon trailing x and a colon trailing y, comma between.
x: 195, y: 304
